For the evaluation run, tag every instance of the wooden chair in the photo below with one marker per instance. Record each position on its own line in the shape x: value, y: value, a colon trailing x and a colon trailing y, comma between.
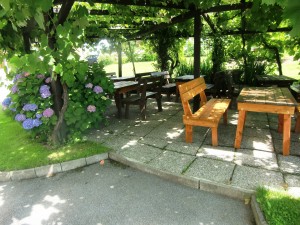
x: 209, y: 113
x: 167, y: 88
x: 297, y: 125
x: 149, y: 87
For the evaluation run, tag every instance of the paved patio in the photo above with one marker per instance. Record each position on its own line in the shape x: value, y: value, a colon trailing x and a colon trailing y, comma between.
x: 158, y: 146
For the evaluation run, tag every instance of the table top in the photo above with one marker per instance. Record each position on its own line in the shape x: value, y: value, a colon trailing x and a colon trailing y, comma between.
x: 275, y: 79
x: 270, y: 96
x: 123, y: 84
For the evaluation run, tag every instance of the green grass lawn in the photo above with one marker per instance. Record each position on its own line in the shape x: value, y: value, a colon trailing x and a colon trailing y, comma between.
x: 19, y: 151
x: 127, y: 68
x: 279, y: 207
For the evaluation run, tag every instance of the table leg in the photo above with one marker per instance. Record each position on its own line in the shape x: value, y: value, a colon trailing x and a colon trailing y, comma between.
x: 286, y: 134
x: 118, y: 104
x: 239, y: 129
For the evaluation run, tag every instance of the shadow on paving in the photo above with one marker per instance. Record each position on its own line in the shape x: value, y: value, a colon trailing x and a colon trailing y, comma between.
x: 159, y: 143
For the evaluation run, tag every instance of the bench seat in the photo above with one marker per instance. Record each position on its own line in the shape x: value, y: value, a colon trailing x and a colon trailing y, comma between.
x: 208, y: 115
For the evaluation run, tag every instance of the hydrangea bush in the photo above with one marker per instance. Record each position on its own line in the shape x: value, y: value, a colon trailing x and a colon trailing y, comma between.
x: 31, y: 102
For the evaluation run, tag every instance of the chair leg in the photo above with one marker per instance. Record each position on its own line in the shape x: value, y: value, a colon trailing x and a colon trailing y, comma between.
x: 159, y: 106
x: 214, y: 136
x: 143, y: 110
x: 188, y: 133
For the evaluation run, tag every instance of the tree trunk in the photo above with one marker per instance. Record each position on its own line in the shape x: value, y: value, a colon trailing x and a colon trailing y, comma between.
x: 277, y: 56
x: 132, y: 57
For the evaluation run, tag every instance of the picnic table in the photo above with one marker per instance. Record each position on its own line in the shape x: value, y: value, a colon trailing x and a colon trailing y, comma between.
x: 270, y: 80
x: 123, y: 87
x: 267, y: 100
x: 117, y: 79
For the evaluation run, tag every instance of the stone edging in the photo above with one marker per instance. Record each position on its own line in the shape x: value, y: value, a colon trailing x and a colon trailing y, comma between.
x: 204, y: 185
x: 50, y: 170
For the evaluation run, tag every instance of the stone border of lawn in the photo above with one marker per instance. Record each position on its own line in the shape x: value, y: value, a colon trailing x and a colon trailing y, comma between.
x: 205, y: 185
x: 50, y: 170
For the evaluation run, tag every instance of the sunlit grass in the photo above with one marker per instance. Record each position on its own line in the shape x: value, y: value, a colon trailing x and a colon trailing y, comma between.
x: 127, y: 68
x: 279, y: 207
x: 19, y: 151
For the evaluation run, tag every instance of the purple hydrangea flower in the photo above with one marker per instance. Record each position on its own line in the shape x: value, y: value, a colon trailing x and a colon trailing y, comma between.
x: 91, y: 108
x: 6, y: 102
x: 20, y: 117
x: 48, y: 80
x: 38, y: 115
x: 40, y: 76
x: 30, y: 107
x: 98, y: 89
x: 28, y: 124
x: 14, y: 89
x: 36, y: 122
x: 48, y: 112
x: 89, y: 85
x: 45, y: 91
x: 17, y: 77
x: 12, y: 109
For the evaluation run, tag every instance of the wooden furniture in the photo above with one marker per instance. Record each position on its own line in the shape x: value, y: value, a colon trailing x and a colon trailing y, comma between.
x: 167, y: 88
x: 149, y: 87
x: 118, y: 79
x: 185, y: 78
x: 145, y: 74
x: 295, y: 89
x: 123, y: 87
x: 269, y: 80
x: 208, y: 115
x: 297, y: 125
x: 267, y: 100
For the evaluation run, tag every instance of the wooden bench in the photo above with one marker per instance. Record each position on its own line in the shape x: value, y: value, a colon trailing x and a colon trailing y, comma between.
x: 208, y: 115
x: 167, y: 88
x: 148, y: 87
x: 297, y: 125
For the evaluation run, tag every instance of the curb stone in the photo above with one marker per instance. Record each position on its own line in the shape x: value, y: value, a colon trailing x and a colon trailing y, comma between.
x: 258, y: 214
x: 50, y: 170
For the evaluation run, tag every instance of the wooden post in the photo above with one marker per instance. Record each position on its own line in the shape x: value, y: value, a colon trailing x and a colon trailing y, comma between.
x: 197, y: 50
x: 132, y: 57
x: 120, y: 59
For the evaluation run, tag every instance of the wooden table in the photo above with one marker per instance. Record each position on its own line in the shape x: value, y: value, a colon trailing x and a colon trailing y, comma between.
x: 118, y: 79
x: 269, y: 80
x: 122, y: 87
x: 267, y: 100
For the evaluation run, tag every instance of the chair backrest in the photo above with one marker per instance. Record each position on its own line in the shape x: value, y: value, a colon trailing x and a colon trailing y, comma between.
x: 140, y: 75
x: 164, y: 74
x: 112, y: 74
x: 153, y: 84
x: 189, y: 90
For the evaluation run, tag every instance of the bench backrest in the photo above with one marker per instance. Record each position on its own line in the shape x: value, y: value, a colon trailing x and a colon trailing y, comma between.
x: 189, y: 90
x: 145, y: 74
x: 164, y: 74
x: 153, y: 84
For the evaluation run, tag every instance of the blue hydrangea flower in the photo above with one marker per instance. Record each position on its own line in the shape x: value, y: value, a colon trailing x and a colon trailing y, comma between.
x: 14, y: 89
x: 6, y: 102
x: 36, y: 122
x: 45, y: 91
x: 38, y: 115
x: 98, y: 89
x: 30, y: 107
x: 20, y: 117
x: 28, y: 124
x: 17, y: 77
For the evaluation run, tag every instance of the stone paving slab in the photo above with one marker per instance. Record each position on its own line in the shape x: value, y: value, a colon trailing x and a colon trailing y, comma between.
x: 226, y: 136
x: 182, y: 147
x: 141, y: 153
x: 170, y: 133
x: 250, y: 178
x: 294, y: 147
x: 219, y: 153
x: 293, y: 185
x: 172, y: 162
x: 256, y: 158
x: 158, y: 143
x: 73, y: 164
x: 138, y: 130
x: 121, y: 143
x: 260, y: 143
x: 209, y: 169
x: 289, y: 164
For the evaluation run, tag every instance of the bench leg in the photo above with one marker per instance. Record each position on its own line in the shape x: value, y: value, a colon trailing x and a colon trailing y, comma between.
x: 214, y: 136
x: 159, y: 106
x: 225, y: 117
x: 297, y: 126
x: 143, y: 110
x: 188, y: 133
